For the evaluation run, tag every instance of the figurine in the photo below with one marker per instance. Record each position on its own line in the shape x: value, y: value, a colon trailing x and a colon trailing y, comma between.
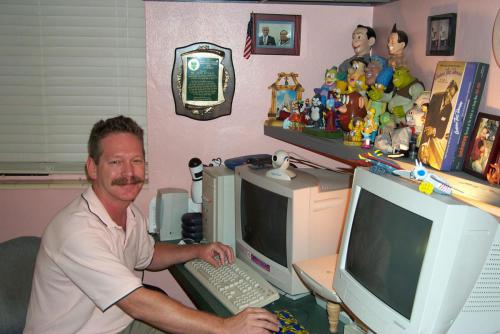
x: 329, y: 86
x: 406, y: 90
x: 353, y: 106
x: 415, y: 117
x: 354, y: 136
x: 331, y: 115
x: 294, y: 117
x: 375, y: 65
x: 363, y: 39
x: 396, y: 43
x: 370, y: 129
x: 430, y: 182
x: 317, y: 110
x: 305, y: 113
x: 356, y: 76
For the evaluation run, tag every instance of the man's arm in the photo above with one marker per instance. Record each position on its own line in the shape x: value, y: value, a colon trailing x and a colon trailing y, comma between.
x: 158, y: 310
x: 166, y: 254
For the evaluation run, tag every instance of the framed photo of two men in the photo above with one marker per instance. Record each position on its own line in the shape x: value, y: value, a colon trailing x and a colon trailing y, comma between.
x: 276, y: 34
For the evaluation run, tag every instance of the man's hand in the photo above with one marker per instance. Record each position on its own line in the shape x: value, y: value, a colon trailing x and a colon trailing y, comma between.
x: 216, y: 254
x: 252, y: 320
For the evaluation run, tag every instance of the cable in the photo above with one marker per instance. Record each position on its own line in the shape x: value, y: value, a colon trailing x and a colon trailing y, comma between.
x: 305, y: 162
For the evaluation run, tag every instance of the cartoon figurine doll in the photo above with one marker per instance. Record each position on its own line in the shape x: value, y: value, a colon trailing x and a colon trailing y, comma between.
x: 356, y: 81
x: 329, y: 86
x: 353, y: 106
x: 406, y: 90
x: 354, y: 137
x: 396, y: 44
x: 317, y: 110
x: 369, y: 129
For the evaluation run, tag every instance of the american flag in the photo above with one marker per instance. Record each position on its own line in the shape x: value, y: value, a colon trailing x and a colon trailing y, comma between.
x: 248, y: 42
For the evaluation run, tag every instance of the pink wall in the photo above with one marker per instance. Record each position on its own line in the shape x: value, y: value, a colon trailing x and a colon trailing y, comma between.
x: 326, y: 35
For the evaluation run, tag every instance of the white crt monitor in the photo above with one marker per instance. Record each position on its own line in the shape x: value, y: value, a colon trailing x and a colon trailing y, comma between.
x: 281, y: 222
x: 416, y: 263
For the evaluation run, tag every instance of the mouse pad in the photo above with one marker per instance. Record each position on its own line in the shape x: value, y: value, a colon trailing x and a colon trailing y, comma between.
x: 289, y: 324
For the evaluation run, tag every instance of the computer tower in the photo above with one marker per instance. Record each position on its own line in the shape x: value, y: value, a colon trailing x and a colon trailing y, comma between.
x: 171, y: 204
x: 218, y: 205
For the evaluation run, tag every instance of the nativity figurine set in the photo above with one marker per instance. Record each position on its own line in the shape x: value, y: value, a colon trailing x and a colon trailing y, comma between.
x: 368, y: 100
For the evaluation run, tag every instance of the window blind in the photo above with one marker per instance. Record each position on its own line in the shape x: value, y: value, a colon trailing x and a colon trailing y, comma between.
x: 65, y: 64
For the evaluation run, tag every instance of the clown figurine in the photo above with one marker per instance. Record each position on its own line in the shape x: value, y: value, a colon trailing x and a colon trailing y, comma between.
x: 329, y: 86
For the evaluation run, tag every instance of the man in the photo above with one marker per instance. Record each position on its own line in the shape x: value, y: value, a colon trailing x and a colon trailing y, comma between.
x: 396, y: 44
x: 363, y: 39
x: 436, y: 124
x: 440, y: 108
x: 84, y: 280
x: 266, y: 39
x: 284, y: 40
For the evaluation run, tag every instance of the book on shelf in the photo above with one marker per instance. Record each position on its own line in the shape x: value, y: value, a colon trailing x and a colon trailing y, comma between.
x: 470, y: 115
x: 450, y: 95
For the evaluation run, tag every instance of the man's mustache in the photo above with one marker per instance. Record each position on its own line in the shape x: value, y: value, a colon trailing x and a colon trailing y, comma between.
x: 121, y: 181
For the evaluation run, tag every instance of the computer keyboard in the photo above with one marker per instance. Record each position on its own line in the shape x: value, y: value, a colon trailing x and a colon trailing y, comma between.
x: 235, y: 285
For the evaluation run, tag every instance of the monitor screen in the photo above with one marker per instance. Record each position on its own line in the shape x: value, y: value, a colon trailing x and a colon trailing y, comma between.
x: 264, y: 221
x: 380, y: 228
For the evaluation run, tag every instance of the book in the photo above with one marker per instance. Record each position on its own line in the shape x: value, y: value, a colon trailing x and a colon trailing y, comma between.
x: 470, y: 115
x: 450, y: 93
x: 463, y: 101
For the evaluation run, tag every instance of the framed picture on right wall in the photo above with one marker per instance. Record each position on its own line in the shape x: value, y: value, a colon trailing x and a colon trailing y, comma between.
x: 441, y: 34
x: 483, y: 148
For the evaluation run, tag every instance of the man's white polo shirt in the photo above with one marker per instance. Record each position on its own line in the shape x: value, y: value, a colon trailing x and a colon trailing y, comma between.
x: 84, y: 266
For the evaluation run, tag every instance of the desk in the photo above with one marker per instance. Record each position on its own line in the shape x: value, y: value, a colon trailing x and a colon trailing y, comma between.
x: 313, y: 317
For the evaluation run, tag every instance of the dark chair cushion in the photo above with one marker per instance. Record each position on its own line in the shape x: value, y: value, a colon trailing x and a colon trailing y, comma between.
x: 17, y: 263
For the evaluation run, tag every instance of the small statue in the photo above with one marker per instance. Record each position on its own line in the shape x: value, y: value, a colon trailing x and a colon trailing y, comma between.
x: 356, y: 81
x: 305, y: 113
x: 415, y: 117
x: 354, y: 137
x: 406, y: 90
x: 317, y: 110
x: 373, y: 68
x: 370, y: 129
x: 353, y: 106
x: 294, y: 117
x: 379, y: 94
x: 396, y: 43
x: 363, y: 39
x: 329, y: 86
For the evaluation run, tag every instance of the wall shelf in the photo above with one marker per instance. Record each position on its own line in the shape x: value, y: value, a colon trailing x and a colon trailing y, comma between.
x: 469, y: 188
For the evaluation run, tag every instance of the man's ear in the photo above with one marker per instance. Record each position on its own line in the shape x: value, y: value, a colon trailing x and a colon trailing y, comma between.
x: 371, y: 41
x: 91, y: 168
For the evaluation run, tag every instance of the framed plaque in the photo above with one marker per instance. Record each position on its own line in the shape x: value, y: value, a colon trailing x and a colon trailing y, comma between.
x: 203, y: 81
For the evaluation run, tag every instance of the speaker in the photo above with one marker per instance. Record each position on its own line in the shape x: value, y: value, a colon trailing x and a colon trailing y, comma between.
x: 171, y: 204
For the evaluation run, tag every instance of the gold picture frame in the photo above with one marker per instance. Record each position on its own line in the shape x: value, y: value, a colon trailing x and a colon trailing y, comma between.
x: 284, y: 91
